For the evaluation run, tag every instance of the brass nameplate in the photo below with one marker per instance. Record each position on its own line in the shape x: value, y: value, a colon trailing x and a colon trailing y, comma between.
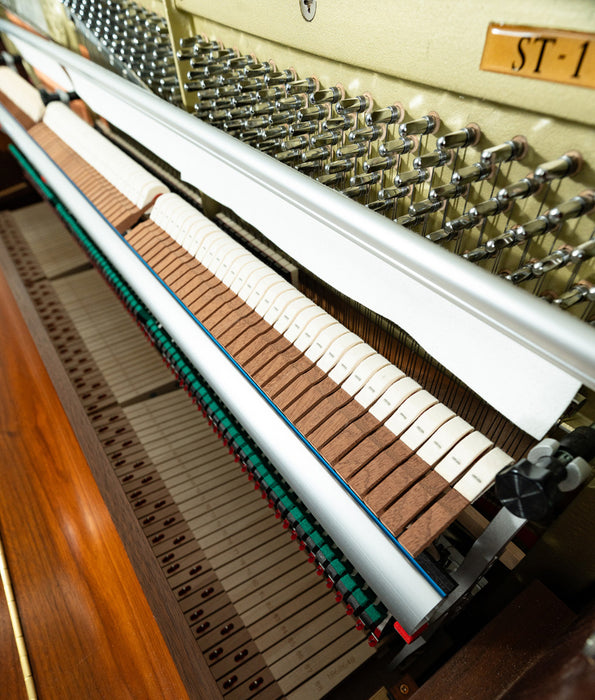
x: 554, y: 55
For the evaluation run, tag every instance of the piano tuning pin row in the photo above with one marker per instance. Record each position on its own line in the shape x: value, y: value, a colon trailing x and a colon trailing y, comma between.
x: 447, y: 184
x: 136, y: 39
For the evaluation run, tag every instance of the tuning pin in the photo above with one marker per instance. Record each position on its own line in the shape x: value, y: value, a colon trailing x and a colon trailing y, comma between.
x: 240, y: 113
x: 308, y: 167
x: 439, y: 236
x: 583, y: 291
x: 218, y: 115
x: 379, y: 163
x: 221, y: 53
x: 292, y: 102
x: 448, y: 191
x: 329, y: 95
x: 533, y: 228
x: 331, y: 178
x: 394, y: 193
x: 366, y: 133
x: 557, y: 259
x: 269, y: 144
x: 352, y: 150
x: 353, y: 105
x: 279, y: 77
x: 432, y: 160
x: 411, y: 177
x: 356, y: 191
x: 577, y: 206
x: 477, y: 254
x: 490, y: 207
x: 241, y: 62
x: 227, y: 91
x: 303, y: 128
x: 584, y: 251
x: 259, y: 122
x: 468, y: 136
x: 568, y: 164
x: 461, y: 223
x: 523, y: 274
x: 251, y: 84
x: 380, y: 205
x: 514, y: 149
x: 261, y: 109
x: 424, y: 206
x: 342, y: 123
x: 312, y: 154
x: 279, y: 131
x: 504, y: 240
x: 472, y: 173
x: 425, y: 125
x: 519, y: 190
x: 292, y: 155
x: 233, y: 124
x: 271, y: 94
x: 295, y: 142
x: 190, y: 41
x: 398, y: 146
x: 282, y: 118
x: 339, y: 166
x: 306, y: 86
x: 184, y: 54
x: 386, y: 115
x: 327, y: 138
x: 315, y: 113
x: 254, y: 70
x: 368, y: 179
x: 408, y: 221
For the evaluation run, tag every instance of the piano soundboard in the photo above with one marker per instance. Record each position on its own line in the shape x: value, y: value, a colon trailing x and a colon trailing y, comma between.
x: 400, y: 481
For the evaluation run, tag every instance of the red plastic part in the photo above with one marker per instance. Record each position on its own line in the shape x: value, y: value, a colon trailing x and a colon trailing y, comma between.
x: 409, y: 637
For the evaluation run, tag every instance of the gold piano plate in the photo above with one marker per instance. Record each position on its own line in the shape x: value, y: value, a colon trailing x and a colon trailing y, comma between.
x: 554, y: 55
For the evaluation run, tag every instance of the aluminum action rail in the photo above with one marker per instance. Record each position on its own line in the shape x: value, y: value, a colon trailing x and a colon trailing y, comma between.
x: 524, y: 357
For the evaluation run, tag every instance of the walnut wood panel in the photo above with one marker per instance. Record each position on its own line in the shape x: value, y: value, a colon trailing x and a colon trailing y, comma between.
x: 82, y: 608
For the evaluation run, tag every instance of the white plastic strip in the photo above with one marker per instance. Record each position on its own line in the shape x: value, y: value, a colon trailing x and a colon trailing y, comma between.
x: 406, y: 592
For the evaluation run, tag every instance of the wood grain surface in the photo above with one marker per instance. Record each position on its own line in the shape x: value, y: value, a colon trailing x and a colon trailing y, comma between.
x: 86, y: 623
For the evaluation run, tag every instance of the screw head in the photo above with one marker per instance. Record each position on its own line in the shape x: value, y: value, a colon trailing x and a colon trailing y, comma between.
x: 308, y: 8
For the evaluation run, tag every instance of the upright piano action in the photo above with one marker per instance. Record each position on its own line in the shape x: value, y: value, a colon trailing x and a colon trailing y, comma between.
x: 341, y: 283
